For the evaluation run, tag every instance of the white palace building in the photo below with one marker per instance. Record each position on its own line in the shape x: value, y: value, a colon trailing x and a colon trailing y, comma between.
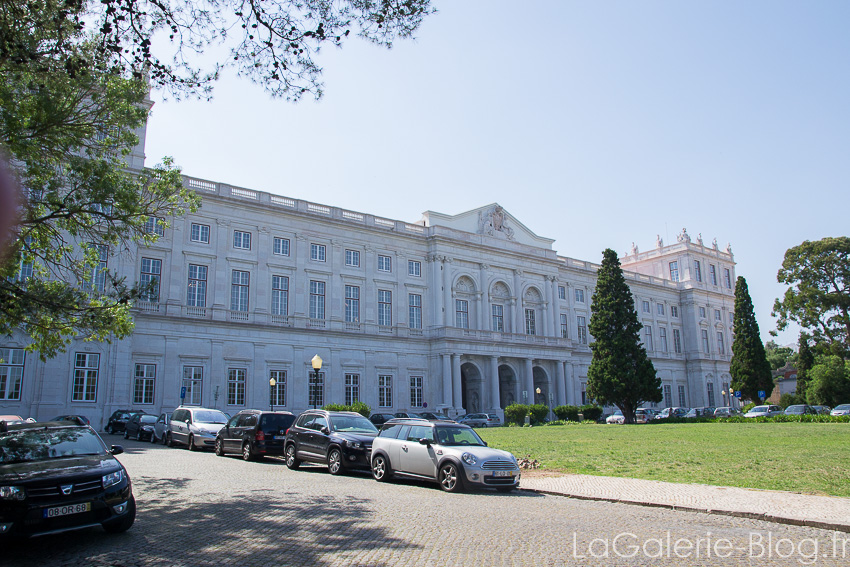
x: 455, y: 314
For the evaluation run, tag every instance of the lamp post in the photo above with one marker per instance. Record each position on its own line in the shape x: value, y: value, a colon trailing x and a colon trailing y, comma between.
x: 317, y: 365
x: 272, y: 382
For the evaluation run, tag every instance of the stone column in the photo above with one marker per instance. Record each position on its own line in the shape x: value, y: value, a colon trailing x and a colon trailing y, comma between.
x: 447, y: 380
x: 457, y: 392
x: 495, y: 402
x: 528, y: 381
x: 554, y: 306
x: 560, y: 383
x: 569, y: 378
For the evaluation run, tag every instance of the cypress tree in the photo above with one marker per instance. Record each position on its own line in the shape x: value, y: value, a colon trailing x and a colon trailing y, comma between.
x: 805, y: 361
x: 749, y: 367
x: 620, y: 371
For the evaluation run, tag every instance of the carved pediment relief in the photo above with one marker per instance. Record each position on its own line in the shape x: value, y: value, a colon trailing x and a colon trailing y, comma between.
x: 465, y: 285
x: 532, y: 295
x: 500, y: 290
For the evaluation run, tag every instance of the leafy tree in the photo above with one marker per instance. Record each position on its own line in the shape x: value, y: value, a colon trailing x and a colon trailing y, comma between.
x: 778, y: 356
x: 749, y: 367
x: 805, y: 361
x: 620, y: 371
x: 830, y: 382
x: 819, y: 297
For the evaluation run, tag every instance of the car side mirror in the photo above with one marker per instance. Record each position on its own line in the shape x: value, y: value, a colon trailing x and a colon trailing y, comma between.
x: 326, y: 431
x: 485, y: 444
x: 116, y: 449
x: 424, y: 441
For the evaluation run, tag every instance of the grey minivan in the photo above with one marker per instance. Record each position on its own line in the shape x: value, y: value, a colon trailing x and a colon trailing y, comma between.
x: 195, y: 427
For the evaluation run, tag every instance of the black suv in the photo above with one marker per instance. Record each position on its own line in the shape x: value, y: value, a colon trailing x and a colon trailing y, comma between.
x: 342, y: 439
x: 381, y: 418
x: 118, y: 420
x: 56, y: 477
x: 254, y: 434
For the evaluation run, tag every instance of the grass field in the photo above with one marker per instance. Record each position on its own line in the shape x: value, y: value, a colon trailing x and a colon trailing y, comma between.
x: 799, y: 457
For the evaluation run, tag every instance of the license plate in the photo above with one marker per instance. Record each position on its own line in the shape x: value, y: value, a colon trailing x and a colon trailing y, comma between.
x: 279, y: 437
x: 67, y: 510
x: 503, y: 473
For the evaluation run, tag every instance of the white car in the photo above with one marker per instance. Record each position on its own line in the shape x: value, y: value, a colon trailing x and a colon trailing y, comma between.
x: 616, y: 417
x: 765, y: 411
x: 843, y: 409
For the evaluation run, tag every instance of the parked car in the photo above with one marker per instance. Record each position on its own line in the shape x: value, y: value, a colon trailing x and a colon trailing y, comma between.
x: 727, y: 412
x: 700, y: 412
x: 800, y: 409
x: 58, y: 476
x: 430, y: 416
x: 254, y: 434
x: 822, y: 409
x: 378, y: 419
x: 842, y: 409
x: 476, y: 420
x: 673, y: 412
x: 764, y: 411
x: 140, y: 426
x: 342, y: 439
x: 195, y: 427
x: 117, y: 422
x: 451, y: 454
x: 161, y: 428
x: 616, y: 417
x: 407, y: 414
x: 642, y: 415
x: 12, y: 419
x: 78, y: 419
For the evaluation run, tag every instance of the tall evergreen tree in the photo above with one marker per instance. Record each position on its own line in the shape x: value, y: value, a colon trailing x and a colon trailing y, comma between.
x: 749, y: 368
x: 805, y: 361
x: 620, y: 372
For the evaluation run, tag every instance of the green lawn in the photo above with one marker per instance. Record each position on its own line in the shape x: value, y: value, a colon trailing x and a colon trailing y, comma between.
x: 798, y: 457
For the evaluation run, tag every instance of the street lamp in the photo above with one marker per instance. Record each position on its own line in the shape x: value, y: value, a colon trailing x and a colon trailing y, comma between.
x: 272, y: 382
x: 317, y: 365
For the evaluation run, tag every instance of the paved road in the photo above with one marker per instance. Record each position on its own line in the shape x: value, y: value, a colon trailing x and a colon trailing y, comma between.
x: 196, y: 509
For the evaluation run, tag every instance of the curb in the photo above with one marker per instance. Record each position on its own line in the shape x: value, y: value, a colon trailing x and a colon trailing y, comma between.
x: 749, y: 515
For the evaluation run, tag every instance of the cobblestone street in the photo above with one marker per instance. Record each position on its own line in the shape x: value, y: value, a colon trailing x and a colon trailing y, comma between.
x: 199, y: 509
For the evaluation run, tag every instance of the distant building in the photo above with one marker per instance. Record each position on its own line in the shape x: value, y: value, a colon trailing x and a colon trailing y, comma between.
x: 785, y: 380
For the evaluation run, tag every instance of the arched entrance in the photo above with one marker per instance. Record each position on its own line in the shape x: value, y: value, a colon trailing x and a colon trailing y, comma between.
x: 542, y: 383
x: 471, y: 383
x: 507, y: 386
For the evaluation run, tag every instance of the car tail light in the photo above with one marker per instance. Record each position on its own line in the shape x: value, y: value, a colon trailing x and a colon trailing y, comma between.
x: 261, y: 435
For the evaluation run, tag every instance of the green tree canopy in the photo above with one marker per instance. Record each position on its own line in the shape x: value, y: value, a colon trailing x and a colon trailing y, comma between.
x: 829, y: 382
x: 818, y: 298
x: 749, y: 367
x: 778, y: 356
x: 620, y: 371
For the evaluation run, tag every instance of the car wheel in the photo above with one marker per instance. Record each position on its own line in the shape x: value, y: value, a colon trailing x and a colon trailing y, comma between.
x: 139, y: 435
x: 123, y: 523
x: 247, y: 455
x: 449, y: 478
x: 153, y: 438
x: 192, y: 446
x: 381, y: 470
x: 219, y: 448
x: 335, y: 462
x: 292, y: 461
x: 167, y: 440
x: 126, y: 434
x: 108, y: 429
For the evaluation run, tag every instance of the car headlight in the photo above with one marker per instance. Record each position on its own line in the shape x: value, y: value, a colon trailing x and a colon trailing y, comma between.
x: 113, y: 478
x: 352, y: 444
x: 468, y: 458
x: 12, y: 493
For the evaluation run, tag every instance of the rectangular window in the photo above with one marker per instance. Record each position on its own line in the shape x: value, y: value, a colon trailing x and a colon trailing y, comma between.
x: 280, y: 295
x: 731, y: 319
x: 727, y: 277
x: 706, y: 348
x: 712, y: 273
x: 562, y: 292
x: 317, y: 299
x: 317, y: 252
x: 149, y: 279
x: 241, y: 239
x: 144, y: 383
x: 277, y: 393
x: 564, y: 326
x: 236, y: 386
x: 155, y: 226
x: 415, y: 303
x: 668, y: 396
x: 200, y: 233
x: 281, y: 248
x: 677, y: 341
x: 498, y: 318
x: 682, y: 400
x: 239, y: 291
x: 416, y: 399
x: 193, y: 380
x: 352, y: 304
x: 461, y: 314
x: 709, y: 386
x: 85, y: 377
x: 352, y: 258
x: 717, y: 316
x: 583, y: 393
x: 316, y: 392
x: 414, y: 268
x: 674, y: 271
x: 11, y: 373
x: 662, y: 338
x: 530, y: 328
x: 385, y: 391
x: 579, y: 295
x: 659, y: 308
x: 721, y: 348
x: 647, y: 334
x: 196, y: 295
x: 702, y: 312
x: 674, y: 311
x: 385, y: 264
x: 98, y: 274
x: 697, y: 271
x: 645, y: 306
x: 352, y: 388
x: 582, y: 329
x: 385, y: 308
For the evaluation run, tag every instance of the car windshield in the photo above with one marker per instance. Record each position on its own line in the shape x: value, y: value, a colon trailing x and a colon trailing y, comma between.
x: 148, y: 419
x: 210, y: 416
x: 276, y: 421
x: 49, y: 443
x: 761, y: 409
x: 353, y: 424
x: 450, y: 436
x: 843, y: 407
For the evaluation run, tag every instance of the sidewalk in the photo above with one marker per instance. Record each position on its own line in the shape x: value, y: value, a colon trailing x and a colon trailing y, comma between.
x: 827, y: 512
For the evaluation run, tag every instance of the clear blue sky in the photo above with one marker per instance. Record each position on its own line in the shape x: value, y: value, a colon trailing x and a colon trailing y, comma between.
x: 596, y: 123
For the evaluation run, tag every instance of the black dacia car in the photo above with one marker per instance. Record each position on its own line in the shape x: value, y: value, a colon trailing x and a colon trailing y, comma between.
x: 342, y: 439
x: 56, y: 477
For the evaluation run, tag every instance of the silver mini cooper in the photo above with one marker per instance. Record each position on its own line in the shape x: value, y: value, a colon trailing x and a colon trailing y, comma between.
x: 451, y: 454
